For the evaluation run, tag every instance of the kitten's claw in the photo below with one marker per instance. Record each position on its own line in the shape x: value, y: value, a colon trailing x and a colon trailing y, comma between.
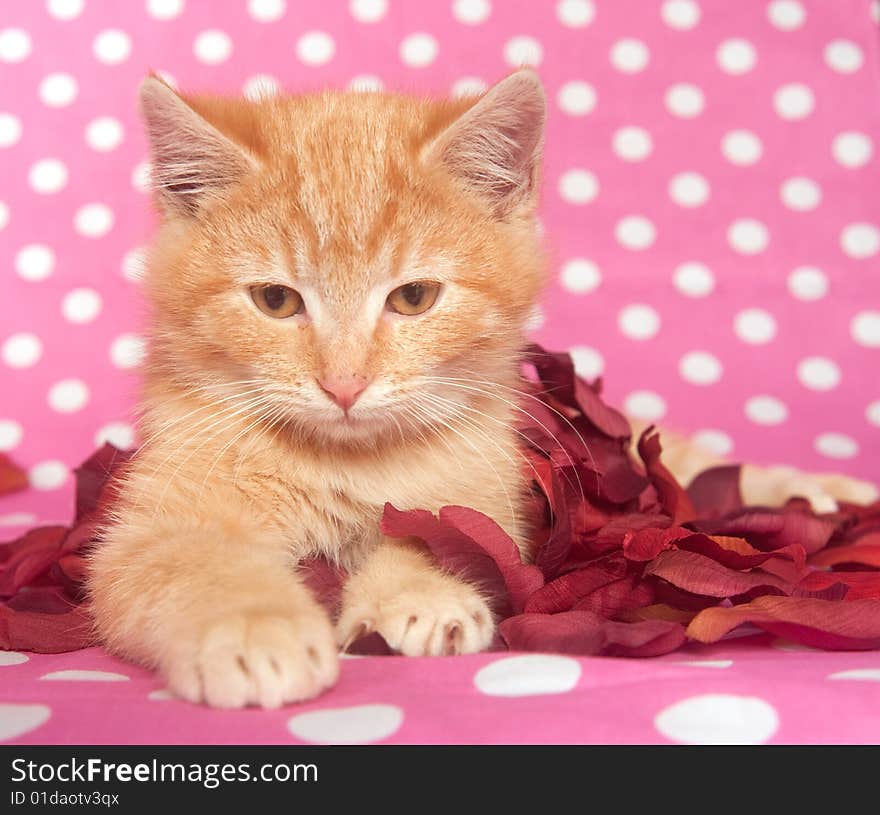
x: 433, y: 620
x: 256, y: 659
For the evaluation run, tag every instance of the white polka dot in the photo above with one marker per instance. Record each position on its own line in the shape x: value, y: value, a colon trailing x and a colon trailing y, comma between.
x: 315, y: 48
x: 793, y: 101
x: 68, y: 395
x: 58, y: 90
x: 645, y: 405
x: 141, y: 178
x: 536, y: 319
x: 22, y: 350
x: 161, y: 695
x: 119, y: 434
x: 689, y: 189
x: 362, y: 724
x: 266, y: 11
x: 843, y: 56
x: 707, y: 663
x: 528, y: 675
x: 261, y: 86
x: 471, y: 12
x: 127, y: 351
x: 800, y: 194
x: 741, y: 147
x: 18, y: 519
x: 368, y: 11
x: 48, y: 176
x: 212, y: 47
x: 630, y: 56
x: 872, y: 414
x: 4, y: 215
x: 736, y: 56
x: 84, y: 676
x: 112, y: 46
x: 10, y: 129
x: 638, y: 321
x: 694, y: 279
x: 81, y: 305
x: 577, y: 98
x: 680, y: 14
x: 104, y: 133
x: 865, y: 328
x: 15, y: 45
x: 867, y: 674
x: 575, y: 13
x: 808, y: 283
x: 700, y: 368
x: 766, y: 410
x: 632, y: 143
x: 48, y: 475
x: 578, y: 186
x: 16, y: 720
x: 684, y: 100
x: 164, y: 9
x: 748, y: 236
x: 580, y: 276
x: 714, y: 441
x: 93, y: 220
x: 11, y: 434
x: 786, y: 14
x: 818, y: 373
x: 418, y: 50
x: 12, y: 658
x: 875, y: 10
x: 852, y: 149
x: 65, y: 9
x: 755, y: 326
x: 635, y: 232
x: 588, y: 362
x: 523, y: 51
x: 718, y: 718
x: 35, y: 262
x: 366, y: 83
x: 860, y: 240
x: 134, y: 264
x: 836, y: 445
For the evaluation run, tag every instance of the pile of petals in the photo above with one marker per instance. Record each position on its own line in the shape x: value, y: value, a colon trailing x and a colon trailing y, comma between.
x: 626, y: 561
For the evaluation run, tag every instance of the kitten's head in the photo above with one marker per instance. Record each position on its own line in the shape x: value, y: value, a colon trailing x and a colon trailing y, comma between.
x: 352, y: 264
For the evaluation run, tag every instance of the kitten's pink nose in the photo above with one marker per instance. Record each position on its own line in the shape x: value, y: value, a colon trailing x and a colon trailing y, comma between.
x: 344, y: 390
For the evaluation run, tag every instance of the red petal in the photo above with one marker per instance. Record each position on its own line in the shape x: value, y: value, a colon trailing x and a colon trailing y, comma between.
x: 865, y: 554
x: 819, y: 623
x: 29, y: 557
x: 467, y: 543
x: 770, y: 529
x: 672, y: 496
x: 45, y: 633
x: 860, y: 585
x: 581, y: 632
x: 94, y: 475
x: 715, y: 492
x: 12, y: 477
x: 562, y: 594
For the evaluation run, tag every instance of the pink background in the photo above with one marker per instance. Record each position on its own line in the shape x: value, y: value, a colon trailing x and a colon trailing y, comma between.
x: 800, y: 77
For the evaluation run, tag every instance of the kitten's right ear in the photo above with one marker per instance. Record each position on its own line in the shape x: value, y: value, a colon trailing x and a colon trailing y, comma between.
x: 191, y: 160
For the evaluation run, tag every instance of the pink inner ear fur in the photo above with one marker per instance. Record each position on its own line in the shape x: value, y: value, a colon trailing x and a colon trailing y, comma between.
x: 495, y: 146
x: 192, y: 160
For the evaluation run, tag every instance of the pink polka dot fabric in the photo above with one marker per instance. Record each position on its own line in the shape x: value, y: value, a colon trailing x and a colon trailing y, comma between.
x: 745, y: 691
x: 711, y: 211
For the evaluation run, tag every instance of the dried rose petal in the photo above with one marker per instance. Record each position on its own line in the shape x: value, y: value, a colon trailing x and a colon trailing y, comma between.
x: 12, y: 477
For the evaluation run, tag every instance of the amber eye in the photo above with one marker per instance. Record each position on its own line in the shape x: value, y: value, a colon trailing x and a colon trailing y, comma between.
x: 277, y: 301
x: 414, y: 298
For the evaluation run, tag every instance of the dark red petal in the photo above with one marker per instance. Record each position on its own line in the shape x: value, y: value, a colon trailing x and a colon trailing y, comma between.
x: 585, y: 633
x: 860, y: 585
x: 562, y: 594
x: 29, y: 557
x: 863, y: 554
x: 715, y: 492
x: 94, y: 475
x: 852, y: 625
x: 646, y: 544
x: 45, y: 633
x: 673, y: 498
x: 701, y: 575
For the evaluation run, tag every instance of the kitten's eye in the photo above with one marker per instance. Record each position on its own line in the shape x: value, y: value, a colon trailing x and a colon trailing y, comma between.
x: 414, y: 298
x: 277, y: 301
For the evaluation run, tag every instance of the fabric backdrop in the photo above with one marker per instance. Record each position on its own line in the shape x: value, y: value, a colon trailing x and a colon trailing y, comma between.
x: 710, y: 199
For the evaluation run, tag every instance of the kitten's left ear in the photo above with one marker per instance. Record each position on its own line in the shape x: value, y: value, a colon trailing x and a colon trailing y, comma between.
x: 495, y: 147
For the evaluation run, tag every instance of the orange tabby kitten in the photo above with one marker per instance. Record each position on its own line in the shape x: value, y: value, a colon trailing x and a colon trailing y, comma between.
x: 338, y: 292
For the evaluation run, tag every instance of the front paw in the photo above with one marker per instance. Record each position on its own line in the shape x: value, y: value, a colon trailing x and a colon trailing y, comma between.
x: 439, y: 616
x: 255, y: 658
